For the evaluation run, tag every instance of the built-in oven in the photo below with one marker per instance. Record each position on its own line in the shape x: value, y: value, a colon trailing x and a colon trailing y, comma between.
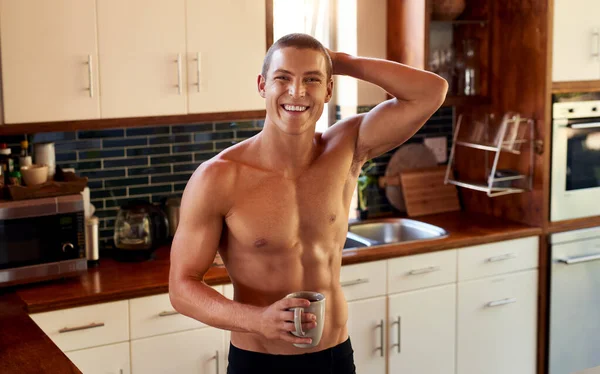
x: 41, y: 239
x: 575, y: 168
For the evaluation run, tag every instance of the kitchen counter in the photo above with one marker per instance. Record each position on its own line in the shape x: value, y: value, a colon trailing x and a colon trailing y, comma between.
x: 22, y: 342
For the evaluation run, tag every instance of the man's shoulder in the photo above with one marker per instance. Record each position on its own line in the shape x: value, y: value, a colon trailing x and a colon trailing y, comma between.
x: 344, y: 128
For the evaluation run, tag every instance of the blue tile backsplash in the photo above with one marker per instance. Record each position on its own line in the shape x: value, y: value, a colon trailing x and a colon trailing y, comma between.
x: 147, y: 163
x: 153, y: 163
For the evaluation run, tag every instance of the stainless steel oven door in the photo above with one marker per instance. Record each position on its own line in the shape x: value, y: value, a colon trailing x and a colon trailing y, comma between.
x: 575, y: 172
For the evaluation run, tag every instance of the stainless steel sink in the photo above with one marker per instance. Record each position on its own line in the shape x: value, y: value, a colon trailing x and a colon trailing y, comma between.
x: 392, y: 230
x: 355, y: 241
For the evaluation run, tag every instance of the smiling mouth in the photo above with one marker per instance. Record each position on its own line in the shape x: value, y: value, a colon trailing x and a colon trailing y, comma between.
x: 294, y: 108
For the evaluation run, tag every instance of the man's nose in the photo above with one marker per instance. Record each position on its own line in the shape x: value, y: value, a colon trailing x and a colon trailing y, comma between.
x: 297, y: 90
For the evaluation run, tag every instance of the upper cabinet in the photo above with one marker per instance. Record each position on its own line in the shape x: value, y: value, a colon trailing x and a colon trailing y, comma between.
x: 576, y: 41
x: 225, y: 49
x: 450, y: 38
x: 87, y: 59
x: 49, y: 60
x: 142, y: 51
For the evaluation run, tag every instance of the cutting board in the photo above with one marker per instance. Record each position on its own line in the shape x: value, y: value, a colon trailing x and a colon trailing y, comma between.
x: 425, y: 192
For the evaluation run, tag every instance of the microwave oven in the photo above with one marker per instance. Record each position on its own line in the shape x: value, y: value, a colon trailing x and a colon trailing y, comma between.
x: 575, y: 172
x: 41, y: 239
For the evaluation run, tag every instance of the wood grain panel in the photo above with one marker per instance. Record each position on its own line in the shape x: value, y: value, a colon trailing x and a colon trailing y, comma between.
x: 31, y: 128
x: 519, y: 83
x: 407, y: 25
x: 578, y: 86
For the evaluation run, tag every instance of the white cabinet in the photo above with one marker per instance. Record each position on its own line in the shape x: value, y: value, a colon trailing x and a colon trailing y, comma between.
x: 49, y: 60
x: 576, y: 40
x: 366, y: 328
x: 422, y: 330
x: 497, y: 324
x: 142, y: 56
x: 107, y: 359
x: 226, y: 44
x: 188, y: 352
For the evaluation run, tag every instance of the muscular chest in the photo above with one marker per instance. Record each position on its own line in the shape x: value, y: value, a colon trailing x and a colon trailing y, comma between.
x: 274, y: 212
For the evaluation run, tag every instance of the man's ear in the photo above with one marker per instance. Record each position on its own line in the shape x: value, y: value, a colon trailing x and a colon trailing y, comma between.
x: 329, y: 90
x: 260, y: 82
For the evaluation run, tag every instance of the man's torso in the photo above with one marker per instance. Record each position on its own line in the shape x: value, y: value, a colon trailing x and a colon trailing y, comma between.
x: 283, y: 235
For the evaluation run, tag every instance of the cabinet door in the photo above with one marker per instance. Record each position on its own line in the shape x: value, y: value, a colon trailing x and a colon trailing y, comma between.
x: 108, y: 359
x: 46, y: 47
x: 188, y: 352
x: 366, y: 327
x: 142, y: 61
x: 497, y: 324
x: 422, y: 330
x: 226, y: 44
x: 576, y: 40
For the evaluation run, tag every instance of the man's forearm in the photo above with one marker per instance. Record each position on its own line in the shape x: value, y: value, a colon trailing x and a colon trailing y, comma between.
x: 401, y: 81
x: 197, y: 300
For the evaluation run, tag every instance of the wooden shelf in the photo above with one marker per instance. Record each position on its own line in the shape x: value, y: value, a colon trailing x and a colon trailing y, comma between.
x: 31, y: 128
x: 579, y: 86
x: 464, y: 100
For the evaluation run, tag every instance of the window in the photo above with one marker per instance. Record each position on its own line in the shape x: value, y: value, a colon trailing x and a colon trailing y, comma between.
x: 311, y: 17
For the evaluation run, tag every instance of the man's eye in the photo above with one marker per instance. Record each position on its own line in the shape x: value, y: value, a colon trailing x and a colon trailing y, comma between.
x: 313, y: 80
x: 281, y: 78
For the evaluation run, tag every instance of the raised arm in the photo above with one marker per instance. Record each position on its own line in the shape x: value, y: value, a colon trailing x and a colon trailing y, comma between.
x: 417, y: 95
x: 203, y: 208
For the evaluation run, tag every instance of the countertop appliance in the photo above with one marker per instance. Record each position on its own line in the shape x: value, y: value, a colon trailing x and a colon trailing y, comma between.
x: 41, y: 239
x: 140, y: 228
x: 575, y: 301
x: 575, y: 173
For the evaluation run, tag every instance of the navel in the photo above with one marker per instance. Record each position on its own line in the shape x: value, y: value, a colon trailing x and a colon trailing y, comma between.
x: 332, y: 218
x: 260, y: 242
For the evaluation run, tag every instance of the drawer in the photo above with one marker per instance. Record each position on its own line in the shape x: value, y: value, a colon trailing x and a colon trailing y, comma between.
x: 498, y: 258
x: 364, y: 280
x: 420, y: 271
x: 86, y: 326
x: 154, y: 315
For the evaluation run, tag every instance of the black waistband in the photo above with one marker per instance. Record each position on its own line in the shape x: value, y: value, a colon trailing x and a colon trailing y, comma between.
x: 249, y: 357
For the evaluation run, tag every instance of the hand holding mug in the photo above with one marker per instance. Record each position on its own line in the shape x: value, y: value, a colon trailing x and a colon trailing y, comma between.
x: 277, y: 321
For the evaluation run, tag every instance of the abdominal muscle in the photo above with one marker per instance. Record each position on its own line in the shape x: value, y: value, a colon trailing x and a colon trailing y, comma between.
x: 263, y: 277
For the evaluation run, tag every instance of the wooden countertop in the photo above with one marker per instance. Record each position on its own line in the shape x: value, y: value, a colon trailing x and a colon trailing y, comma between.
x: 22, y: 341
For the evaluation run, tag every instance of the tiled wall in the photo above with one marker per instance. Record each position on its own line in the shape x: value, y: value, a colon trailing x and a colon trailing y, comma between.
x: 153, y: 163
x: 148, y: 163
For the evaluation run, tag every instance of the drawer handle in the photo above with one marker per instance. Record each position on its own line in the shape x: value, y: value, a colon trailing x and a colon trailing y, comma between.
x: 399, y: 331
x: 501, y: 302
x: 168, y: 313
x: 429, y: 269
x: 355, y: 282
x: 90, y: 326
x: 504, y: 257
x: 580, y: 259
x: 216, y: 357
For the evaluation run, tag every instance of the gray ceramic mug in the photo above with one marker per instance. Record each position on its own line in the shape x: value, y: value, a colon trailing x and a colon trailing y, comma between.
x: 317, y: 307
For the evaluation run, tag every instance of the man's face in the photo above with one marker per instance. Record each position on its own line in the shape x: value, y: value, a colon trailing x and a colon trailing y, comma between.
x: 295, y: 89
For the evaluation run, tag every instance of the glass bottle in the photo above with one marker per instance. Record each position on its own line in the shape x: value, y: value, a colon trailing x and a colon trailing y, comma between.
x: 470, y: 70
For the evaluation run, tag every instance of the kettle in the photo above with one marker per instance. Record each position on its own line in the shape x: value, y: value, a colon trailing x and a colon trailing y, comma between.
x: 140, y: 229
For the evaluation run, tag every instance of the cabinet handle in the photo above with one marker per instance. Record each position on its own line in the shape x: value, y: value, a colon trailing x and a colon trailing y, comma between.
x: 90, y: 326
x: 380, y: 348
x: 90, y: 76
x: 168, y: 313
x: 595, y: 43
x: 580, y: 259
x: 355, y: 282
x: 179, y: 73
x: 501, y: 302
x: 399, y: 330
x: 216, y: 357
x: 198, y: 68
x: 429, y: 269
x: 503, y: 257
x: 120, y: 371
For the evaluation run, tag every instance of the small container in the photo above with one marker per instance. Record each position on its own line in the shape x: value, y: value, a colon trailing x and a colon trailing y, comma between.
x: 92, y: 252
x: 14, y: 178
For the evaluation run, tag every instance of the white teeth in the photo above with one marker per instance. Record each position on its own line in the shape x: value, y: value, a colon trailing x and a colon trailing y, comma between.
x: 294, y: 108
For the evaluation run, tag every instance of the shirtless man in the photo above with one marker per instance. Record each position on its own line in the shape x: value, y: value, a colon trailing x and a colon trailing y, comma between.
x: 275, y: 206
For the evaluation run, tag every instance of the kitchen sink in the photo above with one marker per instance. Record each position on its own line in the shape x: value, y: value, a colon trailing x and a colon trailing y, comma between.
x: 391, y: 230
